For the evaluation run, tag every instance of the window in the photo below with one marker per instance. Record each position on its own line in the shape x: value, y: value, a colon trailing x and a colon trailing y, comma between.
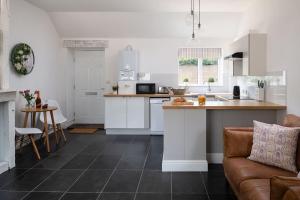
x: 200, y: 67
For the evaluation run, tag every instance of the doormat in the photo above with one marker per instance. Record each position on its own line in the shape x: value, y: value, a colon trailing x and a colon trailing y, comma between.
x: 83, y: 130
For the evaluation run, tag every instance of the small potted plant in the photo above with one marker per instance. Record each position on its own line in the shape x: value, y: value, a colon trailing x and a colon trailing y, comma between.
x: 29, y: 97
x: 115, y: 89
x: 210, y: 81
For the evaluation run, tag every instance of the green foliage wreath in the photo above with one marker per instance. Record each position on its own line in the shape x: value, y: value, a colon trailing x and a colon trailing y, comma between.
x: 22, y: 58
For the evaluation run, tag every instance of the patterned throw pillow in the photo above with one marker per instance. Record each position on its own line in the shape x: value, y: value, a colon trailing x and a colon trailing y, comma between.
x: 275, y: 145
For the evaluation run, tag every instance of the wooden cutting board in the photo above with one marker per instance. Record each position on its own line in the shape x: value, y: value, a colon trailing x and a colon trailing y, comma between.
x: 182, y: 103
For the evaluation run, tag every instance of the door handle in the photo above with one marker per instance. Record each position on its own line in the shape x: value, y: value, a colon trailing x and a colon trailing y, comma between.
x: 91, y: 93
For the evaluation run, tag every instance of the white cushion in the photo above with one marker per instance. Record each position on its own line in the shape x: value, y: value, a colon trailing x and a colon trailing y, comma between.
x: 27, y: 131
x: 275, y: 145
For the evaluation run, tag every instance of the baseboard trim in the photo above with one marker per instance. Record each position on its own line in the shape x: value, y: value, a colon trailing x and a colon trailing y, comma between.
x: 215, y: 158
x: 184, y: 166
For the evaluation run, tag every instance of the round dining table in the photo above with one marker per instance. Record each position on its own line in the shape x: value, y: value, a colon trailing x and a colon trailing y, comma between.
x: 33, y: 111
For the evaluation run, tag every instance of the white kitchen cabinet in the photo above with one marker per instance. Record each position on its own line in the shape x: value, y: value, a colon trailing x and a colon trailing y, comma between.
x: 137, y: 112
x: 126, y: 112
x: 254, y: 61
x: 115, y: 112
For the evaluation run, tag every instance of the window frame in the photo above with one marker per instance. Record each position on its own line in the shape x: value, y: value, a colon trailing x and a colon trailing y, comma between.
x: 220, y: 82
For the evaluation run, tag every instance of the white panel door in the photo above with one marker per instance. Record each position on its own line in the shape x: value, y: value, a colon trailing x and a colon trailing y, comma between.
x: 89, y: 87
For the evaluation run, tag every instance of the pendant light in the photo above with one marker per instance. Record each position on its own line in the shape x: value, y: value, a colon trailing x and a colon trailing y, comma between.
x: 193, y: 14
x: 199, y: 23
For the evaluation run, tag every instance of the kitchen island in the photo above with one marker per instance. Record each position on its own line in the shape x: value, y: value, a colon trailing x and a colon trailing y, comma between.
x: 194, y: 133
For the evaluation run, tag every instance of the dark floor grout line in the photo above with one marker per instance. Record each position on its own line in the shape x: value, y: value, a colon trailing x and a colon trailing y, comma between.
x: 203, y: 182
x: 40, y: 184
x: 138, y: 186
x: 171, y: 185
x: 83, y: 172
x: 115, y: 169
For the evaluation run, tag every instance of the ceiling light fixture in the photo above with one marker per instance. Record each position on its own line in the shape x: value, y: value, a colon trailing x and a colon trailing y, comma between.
x: 193, y: 14
x: 199, y: 24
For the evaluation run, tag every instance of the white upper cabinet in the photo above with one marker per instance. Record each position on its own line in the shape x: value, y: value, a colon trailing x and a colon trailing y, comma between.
x: 254, y: 49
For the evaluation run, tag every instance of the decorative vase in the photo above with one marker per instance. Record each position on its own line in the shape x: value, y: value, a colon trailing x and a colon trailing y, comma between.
x: 30, y: 104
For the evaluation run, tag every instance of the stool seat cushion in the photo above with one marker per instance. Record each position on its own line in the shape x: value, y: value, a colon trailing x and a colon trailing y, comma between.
x: 27, y: 131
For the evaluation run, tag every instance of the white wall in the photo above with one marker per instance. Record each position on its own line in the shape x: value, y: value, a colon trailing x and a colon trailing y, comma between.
x: 156, y: 55
x: 280, y: 20
x: 32, y: 25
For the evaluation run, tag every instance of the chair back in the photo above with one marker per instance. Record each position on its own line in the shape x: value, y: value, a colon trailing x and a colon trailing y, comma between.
x: 58, y: 116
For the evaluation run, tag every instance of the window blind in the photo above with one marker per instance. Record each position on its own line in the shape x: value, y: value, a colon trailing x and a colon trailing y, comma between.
x: 204, y: 53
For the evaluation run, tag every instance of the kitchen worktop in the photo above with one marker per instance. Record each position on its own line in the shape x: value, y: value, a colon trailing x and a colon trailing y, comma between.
x: 228, y: 105
x: 162, y: 95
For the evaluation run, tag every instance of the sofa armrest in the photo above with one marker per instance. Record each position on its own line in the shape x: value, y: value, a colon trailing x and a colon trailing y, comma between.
x: 280, y: 187
x: 292, y: 194
x: 237, y: 142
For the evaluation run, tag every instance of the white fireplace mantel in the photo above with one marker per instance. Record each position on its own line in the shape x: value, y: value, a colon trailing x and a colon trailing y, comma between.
x: 7, y: 129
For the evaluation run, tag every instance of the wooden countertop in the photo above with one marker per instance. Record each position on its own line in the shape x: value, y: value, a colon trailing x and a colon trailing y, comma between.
x: 149, y: 95
x: 229, y: 105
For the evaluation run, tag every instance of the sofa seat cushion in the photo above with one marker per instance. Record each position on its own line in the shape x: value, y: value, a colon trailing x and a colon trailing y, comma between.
x: 241, y: 169
x: 254, y: 189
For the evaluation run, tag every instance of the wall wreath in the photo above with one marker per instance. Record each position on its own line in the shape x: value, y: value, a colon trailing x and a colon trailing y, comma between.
x: 22, y: 58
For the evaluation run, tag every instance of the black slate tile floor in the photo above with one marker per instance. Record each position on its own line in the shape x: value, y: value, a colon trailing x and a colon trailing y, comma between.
x: 107, y: 167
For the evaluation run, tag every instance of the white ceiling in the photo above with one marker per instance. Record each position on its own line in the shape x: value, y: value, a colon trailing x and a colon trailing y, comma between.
x: 148, y: 25
x: 139, y: 5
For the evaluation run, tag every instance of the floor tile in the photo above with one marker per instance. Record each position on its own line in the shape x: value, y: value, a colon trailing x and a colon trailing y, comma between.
x: 132, y: 162
x: 152, y: 196
x: 91, y: 181
x: 115, y: 149
x: 187, y: 183
x: 43, y: 196
x: 123, y: 139
x: 137, y: 149
x: 29, y: 180
x: 4, y: 195
x: 55, y: 161
x: 10, y: 175
x: 117, y: 196
x: 154, y: 162
x: 25, y: 161
x: 93, y: 149
x: 60, y: 181
x: 222, y: 197
x: 156, y: 149
x: 80, y: 196
x: 123, y: 181
x: 215, y: 167
x: 106, y: 162
x: 79, y: 162
x: 156, y: 182
x: 216, y: 182
x: 190, y: 197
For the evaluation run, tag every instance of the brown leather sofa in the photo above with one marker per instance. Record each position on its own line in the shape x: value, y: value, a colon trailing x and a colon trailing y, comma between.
x: 254, y: 181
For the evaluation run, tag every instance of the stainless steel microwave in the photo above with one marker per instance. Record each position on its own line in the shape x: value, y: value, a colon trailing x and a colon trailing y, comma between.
x: 145, y: 88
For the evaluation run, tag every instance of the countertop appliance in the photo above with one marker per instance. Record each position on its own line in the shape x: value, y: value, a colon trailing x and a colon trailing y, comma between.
x: 157, y: 115
x: 145, y: 88
x: 127, y: 87
x: 236, y: 92
x: 163, y: 90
